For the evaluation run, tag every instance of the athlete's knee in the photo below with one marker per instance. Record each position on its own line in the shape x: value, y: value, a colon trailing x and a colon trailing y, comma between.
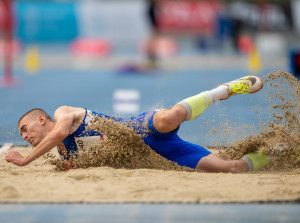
x: 168, y: 120
x: 171, y: 117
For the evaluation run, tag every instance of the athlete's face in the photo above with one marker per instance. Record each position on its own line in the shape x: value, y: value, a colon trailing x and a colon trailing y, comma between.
x: 32, y: 129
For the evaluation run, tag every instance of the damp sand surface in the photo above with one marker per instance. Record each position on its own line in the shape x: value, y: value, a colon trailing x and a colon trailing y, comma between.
x: 40, y: 182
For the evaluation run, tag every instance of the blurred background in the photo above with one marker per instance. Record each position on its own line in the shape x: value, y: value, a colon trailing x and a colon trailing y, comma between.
x: 123, y: 57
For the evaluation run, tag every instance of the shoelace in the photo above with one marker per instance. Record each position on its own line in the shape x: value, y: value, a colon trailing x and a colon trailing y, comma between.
x: 240, y: 87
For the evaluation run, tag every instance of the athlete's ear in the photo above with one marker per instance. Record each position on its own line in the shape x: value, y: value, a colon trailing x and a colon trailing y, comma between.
x: 42, y: 119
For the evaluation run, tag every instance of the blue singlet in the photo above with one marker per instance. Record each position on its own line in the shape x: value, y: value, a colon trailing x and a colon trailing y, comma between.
x: 168, y: 145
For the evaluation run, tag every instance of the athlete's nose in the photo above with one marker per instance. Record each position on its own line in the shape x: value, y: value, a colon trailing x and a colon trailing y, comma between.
x: 24, y: 136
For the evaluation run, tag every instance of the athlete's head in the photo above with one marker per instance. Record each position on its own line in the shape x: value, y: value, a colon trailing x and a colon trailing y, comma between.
x: 33, y: 126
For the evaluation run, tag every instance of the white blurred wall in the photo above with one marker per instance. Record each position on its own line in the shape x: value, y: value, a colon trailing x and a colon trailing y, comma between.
x: 119, y: 21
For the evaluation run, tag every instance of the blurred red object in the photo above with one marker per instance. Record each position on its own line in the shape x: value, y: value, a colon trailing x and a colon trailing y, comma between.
x: 13, y: 46
x: 8, y: 46
x: 245, y: 44
x: 90, y: 47
x: 164, y: 47
x: 196, y: 16
x: 6, y: 16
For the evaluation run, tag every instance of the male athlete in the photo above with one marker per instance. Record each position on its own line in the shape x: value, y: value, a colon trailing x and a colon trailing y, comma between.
x: 70, y: 131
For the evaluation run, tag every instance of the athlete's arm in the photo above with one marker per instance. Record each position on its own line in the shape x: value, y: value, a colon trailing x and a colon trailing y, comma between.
x: 62, y: 128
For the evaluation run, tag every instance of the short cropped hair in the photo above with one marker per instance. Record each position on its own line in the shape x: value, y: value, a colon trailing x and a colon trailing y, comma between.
x: 36, y: 112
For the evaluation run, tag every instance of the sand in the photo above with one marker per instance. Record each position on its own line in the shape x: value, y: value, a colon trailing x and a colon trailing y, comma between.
x: 124, y: 169
x: 39, y: 182
x: 279, y: 135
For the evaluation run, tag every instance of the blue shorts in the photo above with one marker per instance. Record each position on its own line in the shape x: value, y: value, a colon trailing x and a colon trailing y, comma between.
x: 168, y: 145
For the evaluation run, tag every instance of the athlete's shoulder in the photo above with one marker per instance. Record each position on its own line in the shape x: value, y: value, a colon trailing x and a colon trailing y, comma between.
x: 68, y: 111
x: 66, y: 108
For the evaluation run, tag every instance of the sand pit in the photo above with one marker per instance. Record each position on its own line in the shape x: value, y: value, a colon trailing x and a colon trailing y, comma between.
x: 39, y: 182
x: 124, y: 170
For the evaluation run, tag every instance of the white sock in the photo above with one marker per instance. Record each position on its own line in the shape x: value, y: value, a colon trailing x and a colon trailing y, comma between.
x: 218, y: 93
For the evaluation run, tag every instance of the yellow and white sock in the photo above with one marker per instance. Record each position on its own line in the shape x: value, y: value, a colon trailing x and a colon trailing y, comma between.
x: 197, y: 104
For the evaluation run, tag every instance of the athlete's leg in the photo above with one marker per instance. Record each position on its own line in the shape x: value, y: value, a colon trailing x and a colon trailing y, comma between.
x: 249, y: 162
x: 196, y: 105
x: 213, y: 163
x: 188, y: 109
x: 167, y: 120
x: 192, y: 107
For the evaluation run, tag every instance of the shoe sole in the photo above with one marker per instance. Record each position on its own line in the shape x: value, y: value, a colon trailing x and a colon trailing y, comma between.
x: 261, y: 85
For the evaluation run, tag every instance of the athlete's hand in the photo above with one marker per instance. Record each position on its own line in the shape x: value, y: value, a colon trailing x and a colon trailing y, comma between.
x: 67, y: 165
x: 15, y: 158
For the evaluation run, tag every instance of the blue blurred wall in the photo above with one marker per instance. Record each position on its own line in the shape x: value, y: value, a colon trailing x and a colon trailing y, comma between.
x: 46, y: 21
